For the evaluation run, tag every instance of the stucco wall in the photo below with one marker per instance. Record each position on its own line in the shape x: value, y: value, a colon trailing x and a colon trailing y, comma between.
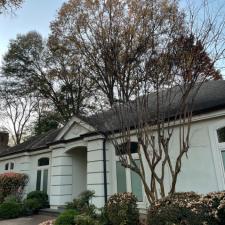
x: 202, y: 170
x: 27, y: 164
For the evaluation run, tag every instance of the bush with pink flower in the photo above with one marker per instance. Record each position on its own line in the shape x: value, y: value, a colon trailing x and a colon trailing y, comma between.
x: 121, y: 209
x: 189, y: 208
x: 12, y: 184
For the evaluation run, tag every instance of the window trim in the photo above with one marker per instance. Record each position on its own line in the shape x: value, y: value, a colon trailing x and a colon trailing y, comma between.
x: 42, y: 169
x: 215, y: 148
x: 128, y: 177
x: 47, y: 165
x: 9, y: 163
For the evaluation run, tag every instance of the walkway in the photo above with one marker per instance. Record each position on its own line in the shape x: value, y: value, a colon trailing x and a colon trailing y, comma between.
x: 32, y: 220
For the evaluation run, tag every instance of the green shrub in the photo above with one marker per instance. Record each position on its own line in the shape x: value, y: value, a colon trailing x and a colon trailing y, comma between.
x: 103, y: 217
x: 82, y: 204
x: 217, y: 202
x: 174, y: 215
x: 31, y: 205
x: 85, y: 219
x: 66, y: 218
x: 10, y: 210
x: 221, y: 214
x: 12, y: 198
x: 42, y: 197
x: 12, y: 184
x: 122, y: 209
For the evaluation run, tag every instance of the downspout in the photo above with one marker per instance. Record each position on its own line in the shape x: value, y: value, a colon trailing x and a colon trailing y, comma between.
x: 105, y: 170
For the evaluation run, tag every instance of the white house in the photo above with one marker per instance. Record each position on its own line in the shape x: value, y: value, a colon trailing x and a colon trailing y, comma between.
x: 77, y: 157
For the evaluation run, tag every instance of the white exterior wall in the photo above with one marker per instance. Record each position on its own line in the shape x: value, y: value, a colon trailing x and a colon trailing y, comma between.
x: 61, y: 177
x: 95, y: 174
x: 27, y: 164
x: 202, y: 171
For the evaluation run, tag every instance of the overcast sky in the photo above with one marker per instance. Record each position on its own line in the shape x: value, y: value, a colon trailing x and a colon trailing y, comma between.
x: 33, y: 15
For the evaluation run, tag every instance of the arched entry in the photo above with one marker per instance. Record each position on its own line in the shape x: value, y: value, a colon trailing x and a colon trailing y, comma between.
x: 79, y: 170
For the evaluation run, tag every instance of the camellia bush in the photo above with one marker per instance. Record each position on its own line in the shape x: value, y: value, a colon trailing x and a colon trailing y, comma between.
x: 189, y: 208
x: 121, y: 209
x: 12, y: 184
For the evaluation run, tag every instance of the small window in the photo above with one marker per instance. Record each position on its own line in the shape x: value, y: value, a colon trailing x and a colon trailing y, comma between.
x: 43, y: 162
x: 7, y: 166
x: 11, y: 166
x: 123, y: 148
x: 221, y: 135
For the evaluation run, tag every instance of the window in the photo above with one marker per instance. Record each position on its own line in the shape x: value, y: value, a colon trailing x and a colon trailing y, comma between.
x: 123, y: 148
x: 42, y: 175
x: 223, y: 157
x: 38, y: 183
x: 221, y: 135
x: 221, y: 146
x: 136, y: 184
x: 121, y: 178
x: 128, y: 180
x: 43, y: 162
x: 9, y: 166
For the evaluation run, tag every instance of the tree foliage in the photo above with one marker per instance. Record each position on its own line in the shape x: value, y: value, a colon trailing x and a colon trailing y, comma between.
x: 32, y: 66
x: 116, y: 38
x: 6, y: 5
x: 46, y: 122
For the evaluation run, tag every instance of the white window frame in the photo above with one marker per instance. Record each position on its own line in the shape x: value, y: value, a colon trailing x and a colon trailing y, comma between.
x: 128, y: 177
x: 9, y: 166
x: 42, y: 168
x: 216, y: 149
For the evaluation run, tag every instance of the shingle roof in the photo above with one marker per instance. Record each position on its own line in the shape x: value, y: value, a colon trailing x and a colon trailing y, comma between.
x: 34, y: 143
x: 211, y: 96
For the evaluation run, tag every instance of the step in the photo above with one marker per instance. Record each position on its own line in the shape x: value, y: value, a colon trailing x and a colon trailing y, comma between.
x: 51, y: 212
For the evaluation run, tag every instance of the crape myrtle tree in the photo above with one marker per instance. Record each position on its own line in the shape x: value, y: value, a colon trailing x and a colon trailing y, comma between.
x: 149, y: 59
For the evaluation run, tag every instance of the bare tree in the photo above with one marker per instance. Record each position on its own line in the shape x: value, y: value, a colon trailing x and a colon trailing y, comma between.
x: 115, y: 38
x: 17, y: 113
x: 6, y: 5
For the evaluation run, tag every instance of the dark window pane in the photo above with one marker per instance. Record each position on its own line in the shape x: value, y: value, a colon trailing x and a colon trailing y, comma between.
x: 11, y: 166
x: 221, y: 135
x: 43, y: 162
x: 38, y: 183
x: 136, y: 184
x: 6, y: 166
x: 45, y: 181
x: 121, y: 178
x: 223, y: 157
x: 124, y: 148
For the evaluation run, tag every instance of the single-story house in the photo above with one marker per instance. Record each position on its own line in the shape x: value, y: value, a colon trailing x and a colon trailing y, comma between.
x: 77, y: 157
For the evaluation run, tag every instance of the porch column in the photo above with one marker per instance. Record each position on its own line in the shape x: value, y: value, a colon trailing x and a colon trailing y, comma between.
x: 61, y: 177
x: 95, y: 170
